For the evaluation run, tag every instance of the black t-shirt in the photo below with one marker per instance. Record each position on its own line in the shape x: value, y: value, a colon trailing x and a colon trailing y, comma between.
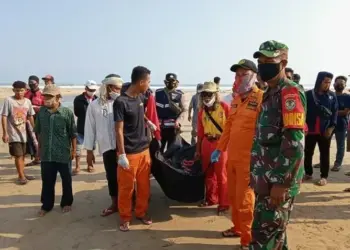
x: 131, y: 112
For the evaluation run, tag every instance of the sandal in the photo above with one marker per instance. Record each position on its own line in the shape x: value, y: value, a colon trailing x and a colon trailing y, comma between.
x: 109, y: 211
x: 66, y: 209
x: 347, y: 190
x: 322, y: 182
x: 336, y: 168
x: 230, y: 233
x: 33, y: 163
x: 317, y: 165
x: 30, y: 177
x: 145, y: 220
x: 90, y: 169
x: 22, y: 181
x: 222, y: 210
x: 124, y: 227
x: 76, y: 172
x: 42, y: 213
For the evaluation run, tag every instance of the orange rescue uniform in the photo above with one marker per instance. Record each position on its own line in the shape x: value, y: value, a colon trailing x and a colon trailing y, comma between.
x: 216, y: 176
x: 237, y: 139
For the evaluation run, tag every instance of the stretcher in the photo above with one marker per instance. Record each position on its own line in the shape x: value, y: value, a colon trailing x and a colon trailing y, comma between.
x: 178, y: 174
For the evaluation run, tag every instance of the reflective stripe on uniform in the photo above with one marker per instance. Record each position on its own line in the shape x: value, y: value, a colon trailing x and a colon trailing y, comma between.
x: 159, y: 105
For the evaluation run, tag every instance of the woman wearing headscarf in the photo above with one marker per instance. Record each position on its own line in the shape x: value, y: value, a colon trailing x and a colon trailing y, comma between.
x: 211, y: 120
x: 99, y: 127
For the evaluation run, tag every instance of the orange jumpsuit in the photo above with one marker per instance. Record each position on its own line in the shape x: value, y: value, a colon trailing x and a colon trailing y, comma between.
x: 216, y: 176
x: 237, y: 139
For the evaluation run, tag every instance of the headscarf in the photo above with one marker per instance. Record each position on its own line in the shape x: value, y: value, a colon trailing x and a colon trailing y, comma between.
x: 245, y: 84
x: 103, y: 93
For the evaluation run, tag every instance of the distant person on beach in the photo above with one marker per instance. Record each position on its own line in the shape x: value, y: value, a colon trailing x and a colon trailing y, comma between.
x: 289, y: 73
x: 342, y: 120
x: 134, y: 161
x: 16, y: 112
x: 296, y: 78
x: 193, y: 106
x: 56, y: 128
x: 212, y: 116
x: 48, y: 79
x: 99, y: 127
x: 321, y: 120
x: 35, y: 96
x: 276, y: 168
x: 170, y: 109
x: 217, y: 81
x: 240, y: 127
x: 80, y: 104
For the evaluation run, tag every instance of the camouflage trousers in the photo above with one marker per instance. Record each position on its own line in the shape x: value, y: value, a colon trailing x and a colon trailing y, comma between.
x: 270, y: 225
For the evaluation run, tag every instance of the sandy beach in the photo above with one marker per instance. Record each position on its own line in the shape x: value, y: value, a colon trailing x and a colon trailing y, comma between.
x: 320, y: 219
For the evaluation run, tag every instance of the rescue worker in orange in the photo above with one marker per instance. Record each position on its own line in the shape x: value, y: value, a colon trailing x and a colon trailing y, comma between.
x: 237, y: 139
x: 134, y: 162
x: 212, y: 116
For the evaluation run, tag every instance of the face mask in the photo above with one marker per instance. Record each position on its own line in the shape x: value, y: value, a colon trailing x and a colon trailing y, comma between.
x: 268, y: 71
x: 114, y: 95
x: 90, y: 93
x: 244, y: 84
x: 210, y: 102
x: 170, y: 85
x: 339, y: 88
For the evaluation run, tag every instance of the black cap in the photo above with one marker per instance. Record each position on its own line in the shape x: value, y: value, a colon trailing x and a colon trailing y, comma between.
x: 245, y: 64
x: 171, y: 77
x: 217, y: 79
x: 33, y: 78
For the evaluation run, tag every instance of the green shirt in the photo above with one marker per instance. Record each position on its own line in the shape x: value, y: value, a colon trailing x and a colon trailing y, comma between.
x: 56, y: 131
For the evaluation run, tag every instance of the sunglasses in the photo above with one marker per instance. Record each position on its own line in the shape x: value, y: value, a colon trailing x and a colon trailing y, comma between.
x: 207, y: 94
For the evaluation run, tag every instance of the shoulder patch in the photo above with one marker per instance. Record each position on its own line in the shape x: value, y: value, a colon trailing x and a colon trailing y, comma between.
x: 292, y: 108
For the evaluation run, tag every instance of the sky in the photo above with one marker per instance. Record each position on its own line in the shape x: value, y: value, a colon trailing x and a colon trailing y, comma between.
x: 77, y: 40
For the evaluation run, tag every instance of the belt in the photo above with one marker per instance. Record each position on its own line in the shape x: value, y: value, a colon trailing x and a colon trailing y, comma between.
x: 168, y: 122
x: 212, y: 137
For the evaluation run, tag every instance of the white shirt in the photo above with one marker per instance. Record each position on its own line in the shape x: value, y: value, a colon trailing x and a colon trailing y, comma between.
x: 99, y: 127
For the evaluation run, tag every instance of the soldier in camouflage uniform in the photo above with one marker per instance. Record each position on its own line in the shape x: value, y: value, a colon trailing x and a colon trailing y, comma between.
x: 278, y: 149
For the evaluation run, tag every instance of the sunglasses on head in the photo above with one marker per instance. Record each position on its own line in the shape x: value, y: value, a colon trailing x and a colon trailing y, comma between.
x: 207, y: 94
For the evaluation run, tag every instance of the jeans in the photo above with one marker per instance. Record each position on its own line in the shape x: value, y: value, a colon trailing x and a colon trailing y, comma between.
x: 340, y: 137
x: 48, y: 175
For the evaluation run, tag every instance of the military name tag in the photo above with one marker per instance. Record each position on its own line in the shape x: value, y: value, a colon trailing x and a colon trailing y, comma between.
x: 253, y: 105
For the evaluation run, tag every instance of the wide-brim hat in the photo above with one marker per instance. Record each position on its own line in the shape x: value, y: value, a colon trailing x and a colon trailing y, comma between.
x: 210, y: 87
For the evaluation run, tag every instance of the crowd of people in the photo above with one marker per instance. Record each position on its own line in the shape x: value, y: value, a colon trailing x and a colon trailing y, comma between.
x: 251, y: 143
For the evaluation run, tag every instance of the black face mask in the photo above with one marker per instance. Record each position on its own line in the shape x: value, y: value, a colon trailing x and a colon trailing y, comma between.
x: 170, y: 85
x: 268, y: 71
x: 339, y: 88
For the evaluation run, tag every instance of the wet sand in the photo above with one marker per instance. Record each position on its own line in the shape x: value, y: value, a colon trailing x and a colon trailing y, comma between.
x: 320, y: 219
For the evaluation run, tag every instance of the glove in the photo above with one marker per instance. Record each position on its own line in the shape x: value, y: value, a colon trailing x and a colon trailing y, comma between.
x: 123, y: 161
x: 215, y: 156
x: 159, y: 143
x: 151, y: 126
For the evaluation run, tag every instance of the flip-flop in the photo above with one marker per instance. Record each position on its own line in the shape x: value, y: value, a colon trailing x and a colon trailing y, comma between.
x: 146, y: 220
x: 30, y: 177
x: 108, y: 211
x: 33, y: 163
x: 75, y: 172
x: 66, y: 209
x: 90, y: 169
x: 124, y: 227
x: 229, y: 233
x: 347, y: 190
x: 22, y: 181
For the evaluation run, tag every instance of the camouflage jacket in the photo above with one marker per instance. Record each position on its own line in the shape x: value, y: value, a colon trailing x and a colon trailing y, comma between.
x: 277, y: 155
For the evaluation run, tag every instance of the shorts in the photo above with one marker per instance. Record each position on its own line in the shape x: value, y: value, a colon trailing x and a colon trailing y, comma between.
x: 80, y: 144
x: 17, y: 149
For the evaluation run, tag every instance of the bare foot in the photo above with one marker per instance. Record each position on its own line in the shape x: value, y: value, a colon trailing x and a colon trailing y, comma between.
x: 42, y: 213
x: 66, y: 209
